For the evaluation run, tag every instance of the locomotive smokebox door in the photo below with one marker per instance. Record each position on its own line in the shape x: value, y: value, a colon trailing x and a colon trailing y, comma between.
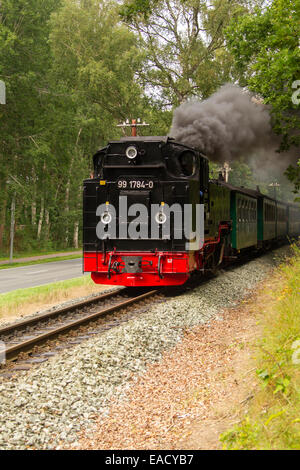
x: 133, y: 264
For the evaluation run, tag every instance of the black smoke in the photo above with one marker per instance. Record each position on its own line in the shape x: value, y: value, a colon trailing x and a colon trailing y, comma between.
x: 228, y: 125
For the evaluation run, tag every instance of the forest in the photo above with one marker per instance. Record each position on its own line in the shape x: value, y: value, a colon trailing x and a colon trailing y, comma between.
x: 74, y: 69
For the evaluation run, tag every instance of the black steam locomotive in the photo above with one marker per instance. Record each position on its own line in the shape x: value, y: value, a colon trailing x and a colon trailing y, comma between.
x: 152, y: 217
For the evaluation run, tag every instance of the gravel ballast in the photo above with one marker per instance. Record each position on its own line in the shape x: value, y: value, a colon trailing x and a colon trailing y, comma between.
x: 46, y: 407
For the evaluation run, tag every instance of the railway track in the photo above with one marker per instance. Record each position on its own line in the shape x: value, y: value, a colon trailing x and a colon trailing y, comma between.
x: 24, y: 336
x: 35, y: 339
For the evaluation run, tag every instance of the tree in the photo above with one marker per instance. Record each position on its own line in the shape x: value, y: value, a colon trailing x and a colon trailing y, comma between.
x: 265, y: 45
x: 24, y: 62
x: 69, y: 68
x: 241, y: 174
x: 93, y: 72
x: 293, y: 174
x: 184, y: 43
x: 266, y: 49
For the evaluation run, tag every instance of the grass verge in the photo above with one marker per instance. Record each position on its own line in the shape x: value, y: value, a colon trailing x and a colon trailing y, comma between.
x: 40, y: 261
x: 28, y: 254
x: 273, y: 418
x: 22, y: 302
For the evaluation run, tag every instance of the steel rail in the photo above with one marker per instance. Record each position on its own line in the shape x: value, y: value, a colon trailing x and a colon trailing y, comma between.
x: 24, y: 346
x: 55, y: 313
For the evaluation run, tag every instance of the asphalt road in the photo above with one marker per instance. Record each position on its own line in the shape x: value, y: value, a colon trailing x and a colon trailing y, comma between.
x: 39, y: 274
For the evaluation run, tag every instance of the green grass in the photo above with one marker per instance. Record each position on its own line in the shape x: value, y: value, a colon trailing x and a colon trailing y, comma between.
x: 273, y: 420
x: 29, y: 254
x: 40, y: 261
x: 17, y: 301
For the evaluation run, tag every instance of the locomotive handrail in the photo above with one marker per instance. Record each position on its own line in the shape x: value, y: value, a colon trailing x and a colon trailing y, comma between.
x: 157, y: 165
x: 159, y: 266
x: 215, y: 242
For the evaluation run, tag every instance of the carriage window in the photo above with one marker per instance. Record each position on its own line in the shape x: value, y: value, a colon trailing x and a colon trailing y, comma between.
x: 254, y: 211
x: 98, y: 162
x: 188, y: 163
x: 182, y: 164
x: 269, y: 213
x: 243, y: 210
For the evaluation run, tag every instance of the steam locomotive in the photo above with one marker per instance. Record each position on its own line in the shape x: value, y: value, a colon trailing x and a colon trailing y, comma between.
x: 135, y: 208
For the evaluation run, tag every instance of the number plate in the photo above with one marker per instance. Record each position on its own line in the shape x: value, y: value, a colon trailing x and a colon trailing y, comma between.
x: 135, y: 184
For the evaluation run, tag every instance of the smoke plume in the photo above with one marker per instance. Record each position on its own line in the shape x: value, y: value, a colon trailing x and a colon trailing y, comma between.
x: 228, y: 125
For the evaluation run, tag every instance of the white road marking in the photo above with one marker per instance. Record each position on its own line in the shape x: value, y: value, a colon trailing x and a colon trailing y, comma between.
x: 37, y: 272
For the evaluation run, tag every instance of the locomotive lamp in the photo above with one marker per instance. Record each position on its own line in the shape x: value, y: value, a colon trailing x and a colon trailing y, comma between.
x: 106, y: 218
x: 160, y: 218
x: 131, y: 152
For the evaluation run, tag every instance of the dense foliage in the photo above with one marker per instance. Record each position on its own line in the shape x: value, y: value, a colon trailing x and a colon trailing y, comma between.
x: 271, y: 419
x: 265, y: 45
x: 69, y: 70
x: 184, y: 42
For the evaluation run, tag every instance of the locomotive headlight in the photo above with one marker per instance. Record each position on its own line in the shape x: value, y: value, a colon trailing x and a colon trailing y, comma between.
x: 106, y: 218
x: 160, y: 218
x: 131, y: 152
